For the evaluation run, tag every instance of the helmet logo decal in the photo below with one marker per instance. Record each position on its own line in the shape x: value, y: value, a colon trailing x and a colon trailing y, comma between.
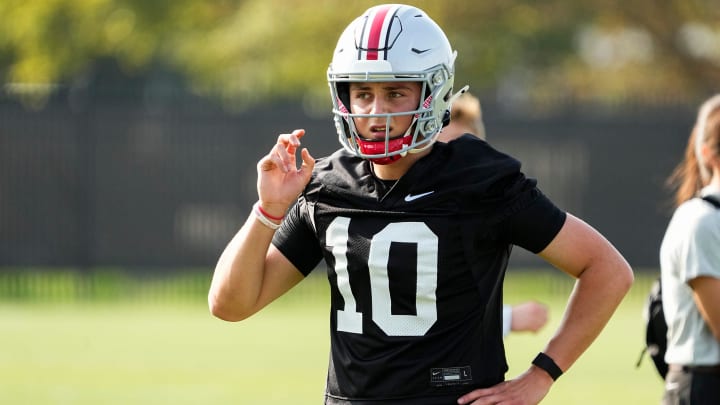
x: 341, y: 106
x: 377, y: 34
x: 425, y: 104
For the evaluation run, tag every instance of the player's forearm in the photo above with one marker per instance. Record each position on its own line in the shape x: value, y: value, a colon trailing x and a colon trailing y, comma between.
x: 239, y: 272
x: 597, y: 294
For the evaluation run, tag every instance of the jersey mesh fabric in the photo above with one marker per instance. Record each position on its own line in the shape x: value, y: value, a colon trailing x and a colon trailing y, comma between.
x: 416, y: 271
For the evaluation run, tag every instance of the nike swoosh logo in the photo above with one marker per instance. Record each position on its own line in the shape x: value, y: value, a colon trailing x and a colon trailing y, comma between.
x: 411, y: 197
x: 420, y: 51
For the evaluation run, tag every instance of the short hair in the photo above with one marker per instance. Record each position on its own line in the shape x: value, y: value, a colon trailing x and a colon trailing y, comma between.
x: 467, y: 112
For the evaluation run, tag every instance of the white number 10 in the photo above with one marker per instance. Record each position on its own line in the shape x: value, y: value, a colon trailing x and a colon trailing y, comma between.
x: 348, y: 319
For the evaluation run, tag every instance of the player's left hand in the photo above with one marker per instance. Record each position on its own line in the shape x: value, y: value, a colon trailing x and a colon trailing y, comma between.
x: 527, y: 389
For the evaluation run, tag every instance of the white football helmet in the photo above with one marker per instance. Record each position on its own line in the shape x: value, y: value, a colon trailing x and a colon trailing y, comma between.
x: 393, y: 42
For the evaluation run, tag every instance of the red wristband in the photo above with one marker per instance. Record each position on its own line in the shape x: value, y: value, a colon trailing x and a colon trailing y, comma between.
x: 274, y: 218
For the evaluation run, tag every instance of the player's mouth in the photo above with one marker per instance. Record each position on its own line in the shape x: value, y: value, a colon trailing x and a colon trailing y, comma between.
x: 379, y: 132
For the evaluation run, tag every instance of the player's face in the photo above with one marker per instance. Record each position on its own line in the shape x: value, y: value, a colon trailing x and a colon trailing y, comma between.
x: 383, y: 98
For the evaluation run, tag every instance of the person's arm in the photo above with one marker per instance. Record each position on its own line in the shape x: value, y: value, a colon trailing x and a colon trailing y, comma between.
x: 529, y: 316
x: 703, y: 258
x: 251, y: 273
x: 603, y: 279
x: 706, y: 292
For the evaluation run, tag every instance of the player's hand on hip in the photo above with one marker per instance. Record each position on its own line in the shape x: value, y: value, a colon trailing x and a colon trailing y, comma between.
x: 280, y: 182
x: 527, y: 389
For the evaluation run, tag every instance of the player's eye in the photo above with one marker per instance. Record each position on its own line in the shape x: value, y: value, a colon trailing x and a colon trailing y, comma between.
x: 361, y: 95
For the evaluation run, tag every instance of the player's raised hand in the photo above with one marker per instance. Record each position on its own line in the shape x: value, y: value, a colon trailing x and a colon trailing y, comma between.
x: 279, y: 180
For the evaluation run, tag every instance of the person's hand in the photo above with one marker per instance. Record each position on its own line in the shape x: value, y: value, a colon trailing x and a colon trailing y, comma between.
x: 528, y: 389
x: 280, y: 182
x: 529, y: 316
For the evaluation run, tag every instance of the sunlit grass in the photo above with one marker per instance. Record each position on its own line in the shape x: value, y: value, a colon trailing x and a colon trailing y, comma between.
x: 126, y: 352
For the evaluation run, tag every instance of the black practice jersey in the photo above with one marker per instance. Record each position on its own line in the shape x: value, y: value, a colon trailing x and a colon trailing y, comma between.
x: 416, y: 268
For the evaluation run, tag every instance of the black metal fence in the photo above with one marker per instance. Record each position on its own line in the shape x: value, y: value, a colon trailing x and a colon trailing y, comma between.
x: 129, y: 182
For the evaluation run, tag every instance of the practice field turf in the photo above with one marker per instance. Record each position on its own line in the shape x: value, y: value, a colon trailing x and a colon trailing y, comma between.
x: 159, y: 353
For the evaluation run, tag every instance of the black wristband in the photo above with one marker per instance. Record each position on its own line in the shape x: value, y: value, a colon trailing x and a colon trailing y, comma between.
x: 544, y: 362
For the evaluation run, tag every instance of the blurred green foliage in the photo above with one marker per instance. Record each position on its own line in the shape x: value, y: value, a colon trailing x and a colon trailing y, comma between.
x: 252, y: 50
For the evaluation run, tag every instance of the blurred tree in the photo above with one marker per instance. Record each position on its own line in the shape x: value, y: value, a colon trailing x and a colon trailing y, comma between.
x: 246, y: 51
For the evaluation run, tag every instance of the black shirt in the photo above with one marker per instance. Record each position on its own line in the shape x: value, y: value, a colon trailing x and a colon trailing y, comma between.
x: 416, y: 270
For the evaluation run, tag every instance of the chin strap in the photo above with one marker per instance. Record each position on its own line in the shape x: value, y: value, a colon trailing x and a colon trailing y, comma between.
x: 378, y: 147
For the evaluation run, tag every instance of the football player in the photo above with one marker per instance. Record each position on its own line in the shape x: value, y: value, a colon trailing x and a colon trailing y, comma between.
x: 416, y: 235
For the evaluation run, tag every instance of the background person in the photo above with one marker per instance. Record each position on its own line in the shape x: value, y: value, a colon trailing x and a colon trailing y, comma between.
x: 465, y: 118
x: 416, y: 235
x: 690, y: 269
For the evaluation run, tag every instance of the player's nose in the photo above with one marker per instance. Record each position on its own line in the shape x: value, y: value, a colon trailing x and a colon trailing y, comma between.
x: 379, y: 106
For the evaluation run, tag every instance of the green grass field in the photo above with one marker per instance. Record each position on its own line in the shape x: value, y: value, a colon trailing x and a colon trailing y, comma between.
x: 122, y: 352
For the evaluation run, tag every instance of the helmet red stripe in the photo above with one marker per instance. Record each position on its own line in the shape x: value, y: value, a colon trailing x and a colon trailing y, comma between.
x: 376, y: 31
